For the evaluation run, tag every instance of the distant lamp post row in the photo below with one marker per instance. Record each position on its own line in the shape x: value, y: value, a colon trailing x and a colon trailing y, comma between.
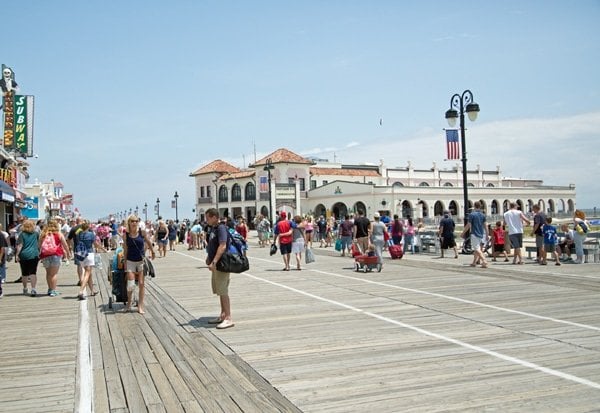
x: 459, y: 105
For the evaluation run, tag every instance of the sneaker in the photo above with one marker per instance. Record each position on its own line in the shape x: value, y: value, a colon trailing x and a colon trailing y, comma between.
x: 33, y: 292
x: 25, y: 291
x: 81, y: 297
x: 53, y: 293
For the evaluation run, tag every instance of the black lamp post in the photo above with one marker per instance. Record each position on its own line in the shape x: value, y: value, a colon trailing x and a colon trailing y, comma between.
x: 136, y: 211
x: 268, y: 166
x: 176, y: 196
x: 145, y: 211
x: 215, y: 181
x: 464, y: 103
x: 157, y: 208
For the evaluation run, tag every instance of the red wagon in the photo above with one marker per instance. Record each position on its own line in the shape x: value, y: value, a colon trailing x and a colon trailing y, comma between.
x: 367, y: 263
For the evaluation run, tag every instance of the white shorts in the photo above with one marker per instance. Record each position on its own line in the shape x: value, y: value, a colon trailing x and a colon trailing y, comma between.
x: 476, y: 242
x: 89, y: 261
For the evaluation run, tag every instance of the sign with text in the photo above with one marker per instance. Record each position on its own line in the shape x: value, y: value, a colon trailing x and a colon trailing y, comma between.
x: 285, y: 191
x: 9, y: 121
x: 23, y: 121
x: 31, y: 209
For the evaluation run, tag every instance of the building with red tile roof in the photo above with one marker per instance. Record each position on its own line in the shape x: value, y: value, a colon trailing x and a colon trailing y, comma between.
x: 301, y: 185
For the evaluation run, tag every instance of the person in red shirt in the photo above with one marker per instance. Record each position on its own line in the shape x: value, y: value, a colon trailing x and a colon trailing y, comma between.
x: 283, y: 233
x: 242, y: 228
x: 498, y: 236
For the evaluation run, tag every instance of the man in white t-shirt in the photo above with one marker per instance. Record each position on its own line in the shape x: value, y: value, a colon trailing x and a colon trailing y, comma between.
x: 514, y: 219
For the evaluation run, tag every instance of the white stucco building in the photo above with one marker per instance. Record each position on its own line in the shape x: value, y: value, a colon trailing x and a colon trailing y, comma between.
x: 303, y: 186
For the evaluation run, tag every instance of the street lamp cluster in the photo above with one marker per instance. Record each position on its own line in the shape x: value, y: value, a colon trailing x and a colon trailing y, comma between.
x: 459, y: 105
x: 124, y: 214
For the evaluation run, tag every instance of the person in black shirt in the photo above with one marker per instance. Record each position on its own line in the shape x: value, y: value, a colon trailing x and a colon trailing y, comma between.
x: 362, y: 231
x: 446, y: 234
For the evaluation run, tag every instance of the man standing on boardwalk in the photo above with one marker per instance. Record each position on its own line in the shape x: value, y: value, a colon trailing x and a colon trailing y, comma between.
x: 446, y: 234
x: 217, y: 245
x: 539, y: 219
x: 514, y: 219
x: 478, y: 229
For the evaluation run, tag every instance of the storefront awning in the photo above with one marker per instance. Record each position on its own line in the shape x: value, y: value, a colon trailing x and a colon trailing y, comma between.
x: 7, y: 193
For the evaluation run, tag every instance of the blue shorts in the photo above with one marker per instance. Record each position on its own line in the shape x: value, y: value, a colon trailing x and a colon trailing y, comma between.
x: 52, y: 261
x: 285, y: 248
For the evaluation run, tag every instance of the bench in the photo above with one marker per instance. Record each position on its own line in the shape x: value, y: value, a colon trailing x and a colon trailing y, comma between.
x: 590, y: 249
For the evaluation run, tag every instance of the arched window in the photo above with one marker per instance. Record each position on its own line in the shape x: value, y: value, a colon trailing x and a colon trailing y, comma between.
x: 448, y: 184
x: 250, y: 192
x: 236, y: 193
x: 423, y: 184
x: 490, y: 185
x: 223, y: 197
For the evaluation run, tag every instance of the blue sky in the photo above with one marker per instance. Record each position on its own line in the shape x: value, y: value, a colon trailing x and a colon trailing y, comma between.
x: 131, y: 96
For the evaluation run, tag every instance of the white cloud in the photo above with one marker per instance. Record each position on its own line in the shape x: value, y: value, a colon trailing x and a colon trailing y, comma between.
x: 560, y: 151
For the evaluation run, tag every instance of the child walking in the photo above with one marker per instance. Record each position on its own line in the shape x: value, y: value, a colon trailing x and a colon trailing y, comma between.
x: 550, y: 241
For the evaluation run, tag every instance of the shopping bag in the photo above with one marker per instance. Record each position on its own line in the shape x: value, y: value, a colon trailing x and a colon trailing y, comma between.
x: 309, y: 256
x: 338, y: 244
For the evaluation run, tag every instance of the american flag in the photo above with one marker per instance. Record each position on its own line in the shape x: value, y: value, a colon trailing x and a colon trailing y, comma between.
x: 452, y: 146
x: 263, y: 184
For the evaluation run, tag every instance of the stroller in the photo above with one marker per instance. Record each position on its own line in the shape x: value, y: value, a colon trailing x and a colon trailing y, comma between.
x: 466, y: 245
x: 364, y: 262
x: 118, y: 281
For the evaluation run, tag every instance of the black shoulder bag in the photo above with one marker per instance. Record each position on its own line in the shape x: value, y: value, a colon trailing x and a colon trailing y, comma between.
x: 231, y: 262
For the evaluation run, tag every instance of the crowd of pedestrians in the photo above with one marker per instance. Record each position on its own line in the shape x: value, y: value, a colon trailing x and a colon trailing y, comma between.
x: 55, y: 242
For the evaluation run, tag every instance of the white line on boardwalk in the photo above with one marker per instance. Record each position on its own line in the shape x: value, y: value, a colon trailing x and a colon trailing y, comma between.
x: 462, y: 300
x: 492, y: 353
x: 447, y: 297
x: 85, y: 381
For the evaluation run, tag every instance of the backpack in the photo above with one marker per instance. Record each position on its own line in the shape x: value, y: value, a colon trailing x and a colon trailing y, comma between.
x: 581, y: 227
x: 81, y: 251
x: 49, y: 246
x: 236, y: 242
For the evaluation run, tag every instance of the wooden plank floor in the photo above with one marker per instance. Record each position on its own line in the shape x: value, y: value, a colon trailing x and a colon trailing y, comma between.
x: 423, y: 335
x: 152, y: 363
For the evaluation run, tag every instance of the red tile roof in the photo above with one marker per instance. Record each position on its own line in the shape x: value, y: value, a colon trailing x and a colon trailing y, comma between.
x: 237, y: 175
x: 343, y: 172
x: 283, y: 155
x: 216, y: 166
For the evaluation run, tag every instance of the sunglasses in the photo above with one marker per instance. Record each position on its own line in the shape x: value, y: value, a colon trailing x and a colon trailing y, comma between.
x: 135, y: 220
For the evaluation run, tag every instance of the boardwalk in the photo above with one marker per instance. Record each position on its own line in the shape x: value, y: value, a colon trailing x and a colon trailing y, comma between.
x: 423, y: 335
